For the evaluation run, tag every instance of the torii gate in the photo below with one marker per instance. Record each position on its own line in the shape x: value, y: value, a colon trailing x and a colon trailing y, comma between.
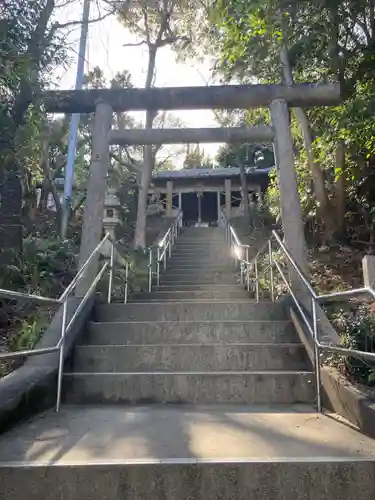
x: 104, y: 102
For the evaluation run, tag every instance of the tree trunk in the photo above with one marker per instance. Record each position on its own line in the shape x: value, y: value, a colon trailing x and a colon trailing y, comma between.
x: 10, y: 202
x: 324, y: 210
x: 148, y: 162
x: 10, y: 216
x: 140, y: 228
x: 10, y: 178
x: 340, y: 192
x: 245, y: 191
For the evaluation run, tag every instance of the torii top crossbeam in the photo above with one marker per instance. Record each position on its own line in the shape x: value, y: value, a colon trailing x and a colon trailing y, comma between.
x: 178, y: 98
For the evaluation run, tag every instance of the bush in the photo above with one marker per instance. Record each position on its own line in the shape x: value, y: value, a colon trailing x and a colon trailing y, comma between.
x: 46, y: 268
x: 356, y: 327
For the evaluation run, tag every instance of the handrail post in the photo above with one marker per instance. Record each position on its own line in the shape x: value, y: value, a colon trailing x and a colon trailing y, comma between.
x: 111, y: 270
x: 126, y: 283
x: 61, y: 355
x: 271, y: 270
x: 316, y: 357
x: 179, y: 223
x: 247, y: 269
x: 170, y: 245
x: 256, y: 279
x: 150, y: 251
x: 158, y: 268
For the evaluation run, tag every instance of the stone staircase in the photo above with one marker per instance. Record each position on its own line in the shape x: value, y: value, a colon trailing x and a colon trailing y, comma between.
x: 241, y: 360
x: 192, y: 392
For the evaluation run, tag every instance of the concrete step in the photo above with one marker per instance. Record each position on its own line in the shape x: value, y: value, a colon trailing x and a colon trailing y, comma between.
x: 207, y: 267
x: 189, y: 278
x: 205, y: 272
x: 182, y: 295
x: 201, y: 249
x: 257, y: 387
x: 201, y: 311
x: 186, y: 453
x: 185, y: 300
x: 213, y: 247
x: 201, y: 243
x: 189, y: 358
x: 215, y: 260
x: 203, y: 252
x: 186, y: 287
x: 189, y: 332
x: 204, y: 235
x: 213, y: 263
x: 185, y: 240
x: 206, y: 260
x: 205, y: 275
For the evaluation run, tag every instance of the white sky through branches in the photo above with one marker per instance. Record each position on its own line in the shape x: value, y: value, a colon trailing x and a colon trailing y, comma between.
x: 106, y: 49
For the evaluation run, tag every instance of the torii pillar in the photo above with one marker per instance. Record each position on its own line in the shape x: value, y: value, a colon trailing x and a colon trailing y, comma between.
x: 95, y: 198
x: 290, y: 204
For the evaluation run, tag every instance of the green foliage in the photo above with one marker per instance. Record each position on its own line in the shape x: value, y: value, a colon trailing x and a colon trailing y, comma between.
x: 194, y: 157
x: 137, y: 261
x: 273, y: 195
x: 48, y: 265
x: 333, y: 40
x: 356, y: 327
x: 29, y: 333
x: 247, y: 154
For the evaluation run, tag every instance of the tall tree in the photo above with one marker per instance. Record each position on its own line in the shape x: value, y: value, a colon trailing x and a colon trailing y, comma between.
x: 193, y: 157
x: 244, y: 156
x: 32, y: 43
x: 324, y: 40
x: 155, y: 24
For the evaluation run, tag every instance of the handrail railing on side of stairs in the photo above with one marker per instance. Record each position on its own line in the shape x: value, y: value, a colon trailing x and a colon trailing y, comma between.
x: 159, y: 253
x: 165, y: 245
x: 63, y: 300
x: 249, y: 266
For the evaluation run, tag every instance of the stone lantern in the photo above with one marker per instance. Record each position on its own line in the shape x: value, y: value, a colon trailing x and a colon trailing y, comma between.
x: 111, y: 217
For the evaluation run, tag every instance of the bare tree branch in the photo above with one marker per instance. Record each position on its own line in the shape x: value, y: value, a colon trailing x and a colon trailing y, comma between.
x: 135, y: 44
x: 57, y: 26
x: 163, y: 161
x: 147, y: 27
x: 132, y: 160
x: 130, y: 165
x: 63, y: 4
x: 173, y: 39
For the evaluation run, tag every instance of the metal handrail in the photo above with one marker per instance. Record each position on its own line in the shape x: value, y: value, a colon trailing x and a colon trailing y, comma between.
x: 158, y: 253
x: 312, y: 326
x: 231, y: 233
x: 65, y: 328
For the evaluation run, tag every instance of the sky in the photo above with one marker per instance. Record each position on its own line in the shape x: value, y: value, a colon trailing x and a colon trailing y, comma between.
x: 105, y: 48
